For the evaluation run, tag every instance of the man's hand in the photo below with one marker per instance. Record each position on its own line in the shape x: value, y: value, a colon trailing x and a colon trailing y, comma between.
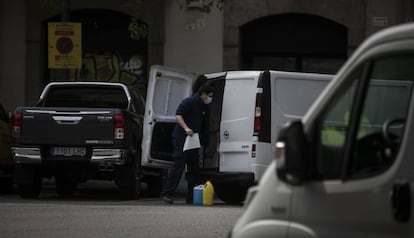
x: 181, y: 121
x: 188, y: 131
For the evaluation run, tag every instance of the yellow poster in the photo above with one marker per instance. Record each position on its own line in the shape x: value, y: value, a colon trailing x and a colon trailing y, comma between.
x: 65, y: 45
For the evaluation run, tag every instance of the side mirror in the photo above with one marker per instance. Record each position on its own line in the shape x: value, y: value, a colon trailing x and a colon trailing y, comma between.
x: 291, y: 162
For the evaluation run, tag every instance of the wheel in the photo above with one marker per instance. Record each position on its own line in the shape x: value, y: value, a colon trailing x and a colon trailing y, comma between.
x: 373, y: 154
x: 30, y: 190
x: 131, y: 175
x: 154, y: 185
x: 65, y: 185
x: 6, y: 185
x: 28, y: 181
x: 232, y: 193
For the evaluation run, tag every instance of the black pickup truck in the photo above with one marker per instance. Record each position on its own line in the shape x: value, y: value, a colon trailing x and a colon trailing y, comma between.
x: 79, y: 131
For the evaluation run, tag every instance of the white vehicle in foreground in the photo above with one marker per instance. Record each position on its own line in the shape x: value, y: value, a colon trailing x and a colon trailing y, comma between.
x: 347, y: 168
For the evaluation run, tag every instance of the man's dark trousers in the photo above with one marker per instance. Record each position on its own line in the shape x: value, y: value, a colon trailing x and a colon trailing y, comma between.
x: 190, y: 158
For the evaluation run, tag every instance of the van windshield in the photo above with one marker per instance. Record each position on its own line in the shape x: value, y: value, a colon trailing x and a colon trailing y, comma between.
x: 378, y: 124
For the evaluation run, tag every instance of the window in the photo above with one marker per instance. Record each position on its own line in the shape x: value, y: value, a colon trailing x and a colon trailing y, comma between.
x: 84, y: 96
x: 361, y: 131
x: 333, y: 129
x: 384, y: 111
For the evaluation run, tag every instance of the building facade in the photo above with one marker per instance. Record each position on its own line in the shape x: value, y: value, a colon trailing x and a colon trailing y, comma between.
x: 121, y: 39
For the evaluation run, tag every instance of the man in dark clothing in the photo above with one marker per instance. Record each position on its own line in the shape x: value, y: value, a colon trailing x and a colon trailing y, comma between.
x: 192, y: 117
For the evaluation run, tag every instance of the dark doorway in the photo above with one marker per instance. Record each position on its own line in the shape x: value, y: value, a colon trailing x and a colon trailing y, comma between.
x: 294, y: 42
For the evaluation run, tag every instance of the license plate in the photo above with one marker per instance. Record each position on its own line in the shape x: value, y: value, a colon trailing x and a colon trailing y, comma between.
x: 68, y: 151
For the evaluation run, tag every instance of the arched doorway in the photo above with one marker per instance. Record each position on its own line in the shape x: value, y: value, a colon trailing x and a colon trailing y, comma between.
x: 294, y: 42
x: 109, y: 52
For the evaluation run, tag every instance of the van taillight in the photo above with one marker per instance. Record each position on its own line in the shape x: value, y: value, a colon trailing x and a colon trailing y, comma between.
x: 258, y: 112
x: 16, y: 127
x: 119, y: 127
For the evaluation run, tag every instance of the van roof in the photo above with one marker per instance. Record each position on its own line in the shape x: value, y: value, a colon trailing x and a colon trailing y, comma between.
x: 398, y: 32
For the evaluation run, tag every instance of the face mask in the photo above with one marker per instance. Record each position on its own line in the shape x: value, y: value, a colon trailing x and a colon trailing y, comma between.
x: 208, y: 100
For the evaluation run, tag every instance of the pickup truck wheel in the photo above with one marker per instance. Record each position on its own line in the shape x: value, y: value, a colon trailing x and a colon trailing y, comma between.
x: 30, y: 190
x: 6, y: 185
x: 232, y: 193
x: 132, y: 190
x: 65, y: 186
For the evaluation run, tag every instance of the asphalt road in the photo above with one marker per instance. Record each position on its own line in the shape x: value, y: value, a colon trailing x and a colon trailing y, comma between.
x: 96, y: 211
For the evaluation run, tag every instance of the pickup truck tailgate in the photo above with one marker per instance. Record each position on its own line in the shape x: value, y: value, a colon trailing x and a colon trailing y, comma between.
x: 68, y: 126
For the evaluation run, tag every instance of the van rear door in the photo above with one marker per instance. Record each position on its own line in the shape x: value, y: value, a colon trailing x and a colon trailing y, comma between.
x: 237, y: 119
x: 166, y: 88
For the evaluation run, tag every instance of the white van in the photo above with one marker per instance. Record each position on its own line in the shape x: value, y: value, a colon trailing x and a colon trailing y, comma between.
x: 346, y: 169
x: 246, y: 108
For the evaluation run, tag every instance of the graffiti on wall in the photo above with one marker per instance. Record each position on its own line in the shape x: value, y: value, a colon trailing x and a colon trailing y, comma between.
x: 108, y: 67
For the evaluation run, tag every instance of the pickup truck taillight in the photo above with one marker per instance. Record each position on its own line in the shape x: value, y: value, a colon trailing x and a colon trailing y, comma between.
x: 119, y: 125
x: 16, y: 127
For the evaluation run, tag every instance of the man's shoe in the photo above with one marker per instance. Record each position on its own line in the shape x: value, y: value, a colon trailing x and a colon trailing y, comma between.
x: 167, y: 199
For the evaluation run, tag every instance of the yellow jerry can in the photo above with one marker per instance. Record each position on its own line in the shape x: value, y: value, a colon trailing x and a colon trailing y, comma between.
x: 208, y: 194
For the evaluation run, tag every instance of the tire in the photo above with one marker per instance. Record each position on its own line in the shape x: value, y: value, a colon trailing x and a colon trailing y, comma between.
x: 6, y: 185
x: 154, y: 185
x: 231, y: 193
x: 132, y: 189
x: 65, y: 185
x: 30, y: 190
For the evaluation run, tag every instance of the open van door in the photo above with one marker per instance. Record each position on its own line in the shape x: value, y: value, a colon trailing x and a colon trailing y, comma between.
x: 166, y: 88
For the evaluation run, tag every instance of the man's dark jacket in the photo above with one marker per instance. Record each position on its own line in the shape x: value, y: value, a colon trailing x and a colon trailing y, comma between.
x: 196, y: 115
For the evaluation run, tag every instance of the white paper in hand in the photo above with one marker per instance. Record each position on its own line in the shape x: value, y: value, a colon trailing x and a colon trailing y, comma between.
x: 192, y: 142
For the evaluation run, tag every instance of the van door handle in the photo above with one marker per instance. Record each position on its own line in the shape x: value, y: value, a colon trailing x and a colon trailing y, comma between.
x: 401, y: 201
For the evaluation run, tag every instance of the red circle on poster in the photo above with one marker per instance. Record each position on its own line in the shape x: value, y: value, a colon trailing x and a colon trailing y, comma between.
x: 64, y: 45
